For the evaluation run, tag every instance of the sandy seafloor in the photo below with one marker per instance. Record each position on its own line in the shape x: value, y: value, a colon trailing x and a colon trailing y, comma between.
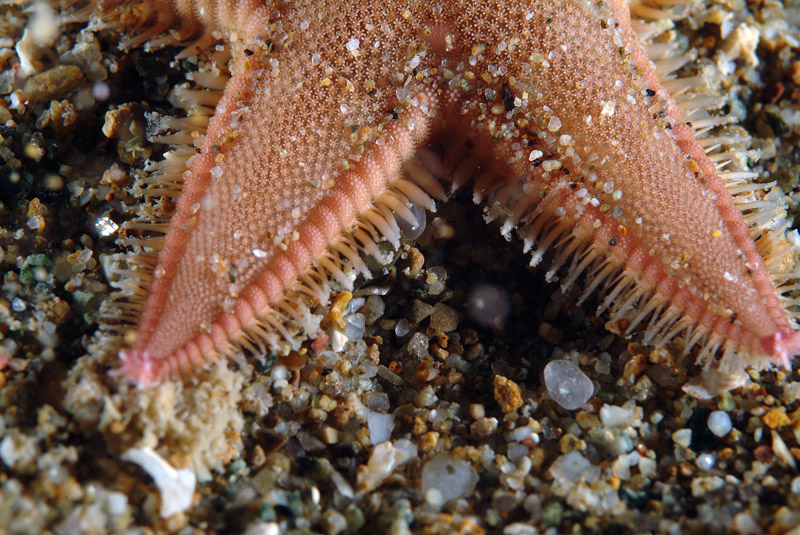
x: 429, y: 422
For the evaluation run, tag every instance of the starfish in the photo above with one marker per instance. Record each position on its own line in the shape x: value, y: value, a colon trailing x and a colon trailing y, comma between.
x: 334, y: 121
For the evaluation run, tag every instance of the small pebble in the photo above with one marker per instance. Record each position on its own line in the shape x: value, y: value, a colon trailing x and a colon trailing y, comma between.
x: 444, y: 319
x: 483, y: 428
x: 647, y: 467
x: 507, y: 394
x: 373, y: 309
x: 574, y: 467
x: 419, y: 311
x: 380, y: 427
x: 725, y: 402
x: 449, y: 478
x: 19, y: 451
x: 17, y: 305
x: 418, y: 345
x: 263, y: 528
x: 354, y: 326
x: 333, y: 522
x: 682, y: 437
x: 704, y: 485
x: 775, y: 418
x: 745, y: 524
x: 415, y: 259
x: 425, y: 397
x: 519, y: 528
x: 55, y: 83
x: 705, y: 461
x: 613, y: 416
x: 567, y: 384
x: 401, y: 328
x: 782, y: 452
x: 330, y: 435
x: 389, y: 375
x: 477, y: 410
x: 719, y: 423
x: 385, y: 458
x: 550, y: 334
x: 6, y: 82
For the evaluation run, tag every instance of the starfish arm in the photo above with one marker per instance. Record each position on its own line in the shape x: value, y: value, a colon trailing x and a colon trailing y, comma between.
x: 272, y: 191
x: 551, y: 110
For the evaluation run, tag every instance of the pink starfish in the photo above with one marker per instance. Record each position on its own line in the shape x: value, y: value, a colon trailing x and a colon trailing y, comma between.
x: 337, y: 115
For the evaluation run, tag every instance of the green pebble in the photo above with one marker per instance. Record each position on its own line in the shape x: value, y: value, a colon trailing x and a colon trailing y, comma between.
x: 266, y: 513
x: 552, y: 513
x: 27, y: 274
x: 81, y: 298
x: 725, y: 402
x: 294, y: 503
x: 355, y: 519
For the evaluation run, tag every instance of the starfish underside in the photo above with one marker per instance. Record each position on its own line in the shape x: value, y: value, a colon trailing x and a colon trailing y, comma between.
x: 319, y: 128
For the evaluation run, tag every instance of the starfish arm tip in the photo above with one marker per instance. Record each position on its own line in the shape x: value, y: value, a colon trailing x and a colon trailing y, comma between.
x: 783, y: 345
x: 138, y: 367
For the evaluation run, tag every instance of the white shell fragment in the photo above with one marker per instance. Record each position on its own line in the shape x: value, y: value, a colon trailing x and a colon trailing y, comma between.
x: 176, y: 486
